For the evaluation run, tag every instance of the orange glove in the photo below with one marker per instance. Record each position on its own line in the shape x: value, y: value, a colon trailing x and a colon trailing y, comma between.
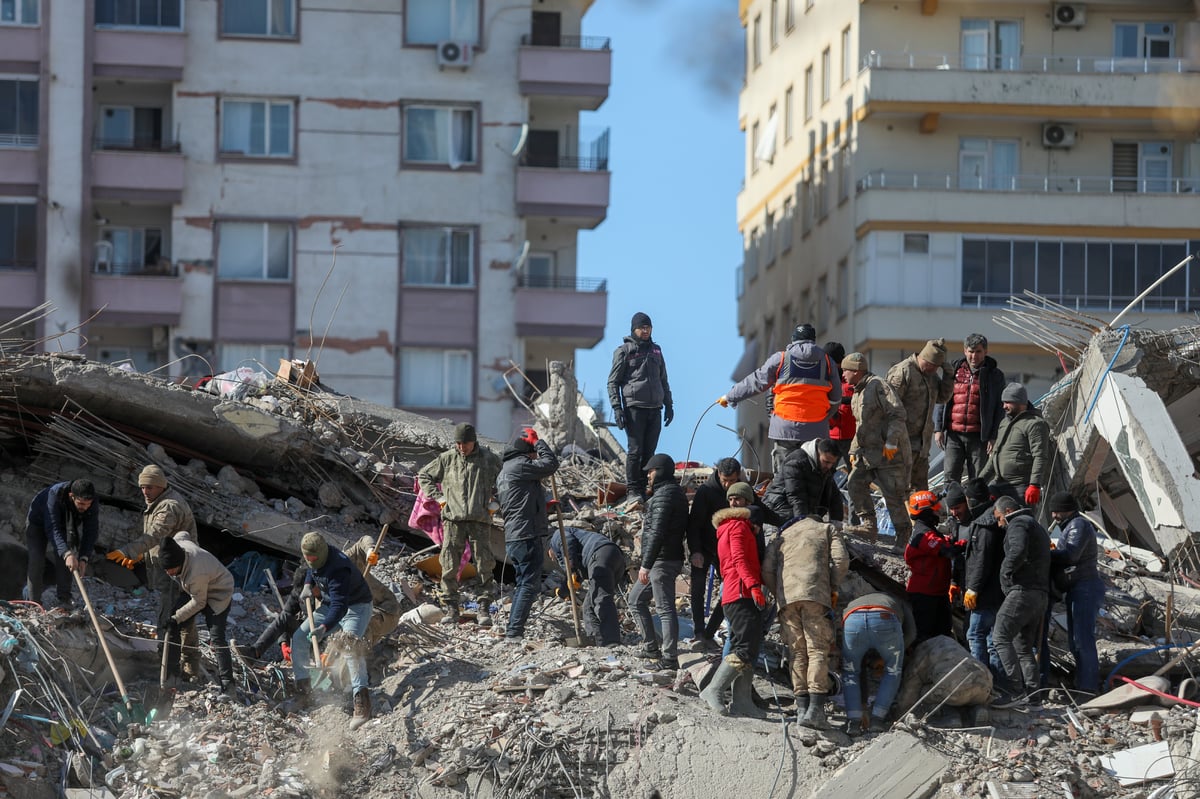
x: 1032, y: 495
x: 121, y: 559
x: 890, y: 450
x: 576, y: 582
x: 723, y: 401
x: 372, y: 558
x: 969, y: 600
x: 833, y: 598
x: 954, y: 593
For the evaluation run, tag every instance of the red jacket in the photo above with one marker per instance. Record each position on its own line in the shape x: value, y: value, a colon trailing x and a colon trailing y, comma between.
x: 843, y: 424
x: 737, y: 552
x: 928, y: 555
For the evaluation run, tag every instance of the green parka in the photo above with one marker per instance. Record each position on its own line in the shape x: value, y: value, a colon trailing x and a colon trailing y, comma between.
x: 467, y: 483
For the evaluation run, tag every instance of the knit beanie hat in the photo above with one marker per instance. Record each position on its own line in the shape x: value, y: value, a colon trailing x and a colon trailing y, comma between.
x: 314, y: 544
x: 465, y: 433
x: 170, y: 554
x: 977, y: 492
x: 742, y: 490
x: 955, y: 495
x: 1063, y: 502
x: 638, y: 320
x: 934, y: 351
x: 152, y: 475
x: 856, y: 361
x: 1015, y: 392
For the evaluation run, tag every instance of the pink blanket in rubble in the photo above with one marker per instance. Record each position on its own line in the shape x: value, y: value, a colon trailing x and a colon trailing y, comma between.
x: 426, y: 516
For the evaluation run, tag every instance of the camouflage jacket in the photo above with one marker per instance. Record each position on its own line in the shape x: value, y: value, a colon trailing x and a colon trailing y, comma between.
x: 881, y: 420
x: 919, y: 393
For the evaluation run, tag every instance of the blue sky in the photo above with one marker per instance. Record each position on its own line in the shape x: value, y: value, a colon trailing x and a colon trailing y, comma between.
x: 670, y: 244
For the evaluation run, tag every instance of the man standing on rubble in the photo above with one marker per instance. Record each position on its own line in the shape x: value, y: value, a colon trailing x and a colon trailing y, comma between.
x: 806, y: 390
x: 804, y: 485
x: 206, y: 587
x: 920, y: 389
x: 879, y: 453
x: 1022, y: 454
x: 640, y: 396
x: 1025, y: 580
x: 462, y: 481
x: 66, y: 517
x: 166, y: 513
x: 967, y: 425
x: 1074, y: 563
x: 598, y: 559
x: 664, y: 528
x: 527, y: 461
x: 982, y: 595
x: 702, y: 543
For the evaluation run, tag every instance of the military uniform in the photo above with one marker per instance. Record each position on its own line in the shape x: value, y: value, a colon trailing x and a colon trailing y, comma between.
x: 881, y: 420
x: 919, y: 393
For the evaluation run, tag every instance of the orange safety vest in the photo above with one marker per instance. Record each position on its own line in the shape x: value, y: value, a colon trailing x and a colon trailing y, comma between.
x: 802, y: 394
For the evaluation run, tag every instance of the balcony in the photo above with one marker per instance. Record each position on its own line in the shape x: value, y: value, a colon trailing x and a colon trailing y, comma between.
x: 137, y: 171
x: 137, y: 295
x: 1059, y: 87
x: 141, y: 52
x: 21, y: 44
x: 19, y: 165
x: 570, y: 310
x: 572, y: 185
x: 575, y: 68
x: 1053, y: 200
x: 18, y: 287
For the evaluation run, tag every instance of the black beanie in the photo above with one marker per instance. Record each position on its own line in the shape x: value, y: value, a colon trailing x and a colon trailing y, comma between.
x: 955, y: 495
x: 1063, y: 502
x: 977, y: 492
x: 171, y: 554
x: 638, y: 320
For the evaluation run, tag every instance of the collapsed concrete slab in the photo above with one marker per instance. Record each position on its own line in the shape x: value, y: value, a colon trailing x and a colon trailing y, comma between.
x: 897, y: 765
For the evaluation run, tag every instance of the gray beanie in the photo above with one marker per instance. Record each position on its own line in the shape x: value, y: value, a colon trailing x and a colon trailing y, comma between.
x: 1015, y: 392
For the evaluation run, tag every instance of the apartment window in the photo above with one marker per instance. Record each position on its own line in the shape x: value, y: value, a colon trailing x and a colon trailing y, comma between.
x: 847, y: 55
x: 1144, y: 40
x: 432, y: 378
x: 769, y: 240
x: 254, y: 251
x: 142, y: 14
x: 788, y: 114
x: 774, y: 24
x: 124, y: 127
x: 823, y: 191
x: 758, y: 41
x: 987, y: 163
x: 844, y: 173
x: 807, y: 208
x: 440, y: 135
x: 1143, y: 166
x: 233, y: 355
x: 843, y: 288
x: 808, y: 4
x: 258, y: 128
x: 787, y: 224
x: 916, y: 243
x: 808, y: 93
x: 754, y: 147
x: 18, y: 112
x: 18, y: 12
x: 438, y: 256
x: 739, y: 282
x: 433, y: 21
x: 789, y: 14
x: 271, y: 18
x: 822, y: 315
x: 991, y: 44
x: 18, y: 235
x: 130, y: 250
x: 826, y: 76
x: 750, y: 261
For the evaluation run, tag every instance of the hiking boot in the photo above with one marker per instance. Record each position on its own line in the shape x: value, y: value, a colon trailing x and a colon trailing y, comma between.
x: 801, y: 706
x: 667, y: 664
x: 362, y: 708
x: 483, y: 618
x: 854, y: 727
x: 715, y: 692
x: 451, y: 617
x: 649, y: 652
x: 814, y: 718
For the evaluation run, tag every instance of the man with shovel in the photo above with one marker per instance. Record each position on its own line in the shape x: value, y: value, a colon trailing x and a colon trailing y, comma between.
x: 597, y: 558
x: 206, y: 588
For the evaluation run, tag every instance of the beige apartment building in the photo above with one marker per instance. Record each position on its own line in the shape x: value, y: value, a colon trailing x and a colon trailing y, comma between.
x: 911, y: 164
x: 176, y: 175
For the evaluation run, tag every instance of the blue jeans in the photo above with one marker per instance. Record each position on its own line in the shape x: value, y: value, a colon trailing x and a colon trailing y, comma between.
x: 355, y: 623
x: 863, y: 631
x: 979, y: 637
x: 662, y: 588
x: 526, y: 559
x: 1083, y: 602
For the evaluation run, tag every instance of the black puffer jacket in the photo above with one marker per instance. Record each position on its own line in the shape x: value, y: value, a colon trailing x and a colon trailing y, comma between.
x: 638, y: 378
x: 1075, y: 557
x: 664, y: 526
x: 985, y: 550
x: 701, y: 535
x: 802, y: 489
x: 522, y: 498
x: 1026, y: 561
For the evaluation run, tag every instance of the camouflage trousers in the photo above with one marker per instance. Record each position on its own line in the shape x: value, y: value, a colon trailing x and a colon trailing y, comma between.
x: 891, y: 482
x: 455, y: 541
x: 808, y: 634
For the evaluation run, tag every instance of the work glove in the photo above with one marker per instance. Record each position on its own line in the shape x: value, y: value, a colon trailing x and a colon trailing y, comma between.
x: 118, y: 557
x: 954, y: 593
x: 1032, y: 495
x: 853, y: 459
x: 833, y: 598
x: 310, y: 591
x: 529, y: 436
x: 441, y: 505
x: 372, y: 558
x: 668, y: 415
x: 576, y: 581
x: 969, y: 599
x: 619, y: 418
x: 317, y: 633
x: 723, y: 401
x: 760, y: 600
x: 890, y: 450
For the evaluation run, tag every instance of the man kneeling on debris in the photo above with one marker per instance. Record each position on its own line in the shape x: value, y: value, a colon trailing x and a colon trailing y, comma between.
x: 602, y: 562
x: 663, y: 531
x: 1025, y: 580
x: 882, y: 623
x: 346, y: 605
x: 207, y: 587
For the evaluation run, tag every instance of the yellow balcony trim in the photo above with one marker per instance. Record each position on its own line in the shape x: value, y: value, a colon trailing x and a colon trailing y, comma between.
x: 1182, y: 118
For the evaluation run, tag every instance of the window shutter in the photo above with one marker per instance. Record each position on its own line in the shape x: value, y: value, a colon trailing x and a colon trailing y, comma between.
x: 1124, y: 165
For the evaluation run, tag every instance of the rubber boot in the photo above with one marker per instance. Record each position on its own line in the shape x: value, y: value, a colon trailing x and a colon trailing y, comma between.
x: 801, y: 705
x: 815, y: 717
x: 714, y: 693
x: 362, y: 708
x: 742, y: 703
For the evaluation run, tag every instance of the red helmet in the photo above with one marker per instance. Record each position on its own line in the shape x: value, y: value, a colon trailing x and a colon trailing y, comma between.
x: 923, y: 500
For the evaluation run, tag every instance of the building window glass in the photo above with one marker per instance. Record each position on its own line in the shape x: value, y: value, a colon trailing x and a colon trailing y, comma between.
x: 142, y: 14
x: 442, y: 135
x: 18, y: 235
x: 254, y: 251
x: 789, y: 14
x: 987, y: 163
x: 758, y: 41
x: 843, y: 288
x: 18, y: 112
x: 259, y: 128
x: 990, y: 44
x: 18, y: 12
x: 789, y: 113
x: 808, y: 93
x: 754, y: 148
x: 1144, y: 167
x: 774, y: 24
x: 438, y: 256
x: 432, y: 378
x: 1142, y: 40
x: 847, y: 56
x: 826, y: 76
x: 274, y: 18
x: 233, y: 355
x: 433, y: 21
x: 130, y: 250
x: 124, y: 127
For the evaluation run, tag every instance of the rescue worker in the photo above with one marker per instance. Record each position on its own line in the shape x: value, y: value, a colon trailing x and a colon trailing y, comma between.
x: 882, y: 623
x: 664, y: 528
x: 738, y: 527
x: 385, y: 607
x: 922, y: 382
x: 463, y: 480
x: 601, y: 562
x: 1025, y: 580
x: 804, y: 486
x: 206, y: 587
x: 640, y: 396
x: 709, y: 498
x: 929, y: 556
x: 879, y: 453
x: 842, y: 425
x: 1074, y: 564
x: 66, y: 517
x: 982, y: 595
x: 804, y: 567
x: 807, y: 393
x: 968, y: 423
x: 1022, y: 455
x: 527, y: 461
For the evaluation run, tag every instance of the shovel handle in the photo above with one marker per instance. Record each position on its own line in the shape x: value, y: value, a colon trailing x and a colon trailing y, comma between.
x: 378, y: 544
x: 562, y: 533
x: 87, y: 601
x: 311, y: 626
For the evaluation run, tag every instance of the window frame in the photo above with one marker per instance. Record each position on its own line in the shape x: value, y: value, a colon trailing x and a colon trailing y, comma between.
x: 293, y: 37
x: 809, y: 88
x: 993, y: 59
x: 757, y: 42
x: 134, y: 232
x: 139, y: 25
x: 477, y: 44
x: 17, y: 140
x: 789, y: 113
x: 19, y: 21
x: 266, y: 224
x: 31, y: 206
x: 826, y: 75
x: 774, y: 25
x: 472, y: 261
x: 446, y: 353
x: 789, y: 16
x: 293, y: 103
x: 847, y: 65
x: 450, y: 108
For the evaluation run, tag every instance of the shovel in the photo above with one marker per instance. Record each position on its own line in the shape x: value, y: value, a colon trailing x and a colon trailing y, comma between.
x: 137, y: 715
x: 580, y: 639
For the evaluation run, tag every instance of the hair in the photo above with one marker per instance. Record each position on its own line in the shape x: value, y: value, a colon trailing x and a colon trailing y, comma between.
x: 827, y: 447
x: 975, y: 341
x: 728, y: 466
x: 1007, y: 505
x: 835, y: 351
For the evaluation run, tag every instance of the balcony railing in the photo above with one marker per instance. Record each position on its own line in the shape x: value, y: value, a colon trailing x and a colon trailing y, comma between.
x: 143, y: 145
x: 1047, y: 184
x: 1087, y: 302
x: 163, y: 268
x: 18, y: 140
x: 146, y: 15
x: 580, y: 284
x: 591, y: 156
x: 569, y: 42
x: 1057, y: 64
x: 17, y: 264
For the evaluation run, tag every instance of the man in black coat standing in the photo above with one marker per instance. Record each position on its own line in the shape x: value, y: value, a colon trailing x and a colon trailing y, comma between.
x: 1025, y: 581
x: 1074, y: 562
x: 640, y: 397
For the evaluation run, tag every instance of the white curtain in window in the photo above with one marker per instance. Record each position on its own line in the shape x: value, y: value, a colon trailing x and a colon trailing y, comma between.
x: 975, y: 43
x: 424, y: 136
x: 240, y: 251
x: 1008, y: 45
x: 282, y: 21
x: 464, y: 20
x: 279, y: 252
x: 424, y: 256
x: 433, y: 21
x: 237, y: 121
x: 458, y: 379
x: 766, y: 143
x: 421, y: 378
x: 462, y: 138
x: 1004, y: 164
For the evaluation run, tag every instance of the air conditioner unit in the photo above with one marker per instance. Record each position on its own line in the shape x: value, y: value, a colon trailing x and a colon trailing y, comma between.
x: 454, y: 54
x: 1058, y: 136
x: 1069, y: 15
